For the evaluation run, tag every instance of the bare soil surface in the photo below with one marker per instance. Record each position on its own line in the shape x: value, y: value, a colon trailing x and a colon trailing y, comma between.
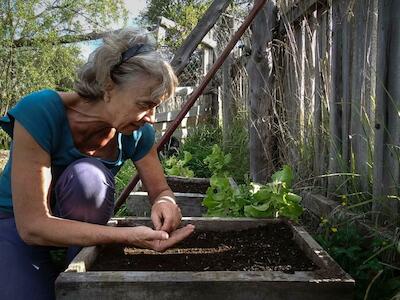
x: 183, y: 186
x: 267, y: 248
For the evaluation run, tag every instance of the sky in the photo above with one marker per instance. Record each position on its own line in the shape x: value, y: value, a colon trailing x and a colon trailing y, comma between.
x: 134, y: 7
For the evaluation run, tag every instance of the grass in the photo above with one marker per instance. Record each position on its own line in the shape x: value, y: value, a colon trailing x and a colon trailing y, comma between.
x: 122, y: 179
x: 124, y: 176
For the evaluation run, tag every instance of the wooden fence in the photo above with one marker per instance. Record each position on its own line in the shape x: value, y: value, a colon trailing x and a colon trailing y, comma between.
x: 225, y: 95
x: 336, y: 78
x: 324, y: 96
x: 200, y: 114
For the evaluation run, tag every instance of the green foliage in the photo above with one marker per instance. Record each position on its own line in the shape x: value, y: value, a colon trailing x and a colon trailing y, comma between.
x: 122, y: 211
x: 275, y: 199
x: 174, y: 166
x: 358, y: 255
x: 185, y: 13
x: 199, y: 143
x: 236, y: 143
x: 34, y: 53
x: 218, y: 161
x: 124, y: 176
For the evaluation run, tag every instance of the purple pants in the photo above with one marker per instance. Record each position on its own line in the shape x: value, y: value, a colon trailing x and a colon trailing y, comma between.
x: 84, y: 192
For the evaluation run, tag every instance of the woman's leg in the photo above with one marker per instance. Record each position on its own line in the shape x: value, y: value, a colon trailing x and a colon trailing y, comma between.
x: 84, y: 192
x: 26, y: 272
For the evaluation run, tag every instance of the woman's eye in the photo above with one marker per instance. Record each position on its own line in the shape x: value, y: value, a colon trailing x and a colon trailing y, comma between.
x: 147, y: 105
x: 143, y: 105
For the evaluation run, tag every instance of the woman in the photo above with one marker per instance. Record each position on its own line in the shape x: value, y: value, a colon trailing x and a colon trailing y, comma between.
x: 57, y: 188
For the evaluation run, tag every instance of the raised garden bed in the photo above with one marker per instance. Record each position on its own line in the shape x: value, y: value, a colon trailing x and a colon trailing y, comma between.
x: 189, y: 193
x: 224, y: 258
x: 188, y: 185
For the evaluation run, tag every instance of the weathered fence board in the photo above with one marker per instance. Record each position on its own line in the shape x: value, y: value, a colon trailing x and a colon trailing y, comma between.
x: 335, y: 90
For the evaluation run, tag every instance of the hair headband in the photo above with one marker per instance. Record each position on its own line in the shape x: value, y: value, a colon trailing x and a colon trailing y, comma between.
x: 134, y: 50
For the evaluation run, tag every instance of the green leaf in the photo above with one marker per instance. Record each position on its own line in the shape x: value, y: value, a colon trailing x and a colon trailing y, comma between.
x: 251, y: 211
x: 285, y: 176
x: 210, y: 202
x: 292, y: 212
x: 262, y: 207
x: 262, y: 195
x: 292, y: 197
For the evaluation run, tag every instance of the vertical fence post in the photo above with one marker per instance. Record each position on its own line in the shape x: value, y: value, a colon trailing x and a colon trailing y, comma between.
x: 261, y: 95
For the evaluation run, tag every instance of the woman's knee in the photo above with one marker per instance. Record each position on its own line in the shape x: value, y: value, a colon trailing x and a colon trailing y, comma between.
x: 85, y: 192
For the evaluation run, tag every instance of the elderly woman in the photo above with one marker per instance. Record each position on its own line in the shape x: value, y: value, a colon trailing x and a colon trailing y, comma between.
x: 57, y: 188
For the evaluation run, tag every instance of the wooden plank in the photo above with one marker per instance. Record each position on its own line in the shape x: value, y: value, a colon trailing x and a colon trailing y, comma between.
x: 326, y: 94
x: 197, y: 110
x: 391, y: 153
x: 335, y: 134
x: 138, y: 204
x: 84, y: 259
x: 317, y: 254
x: 259, y: 68
x: 229, y: 108
x: 300, y: 10
x: 318, y: 92
x: 323, y: 207
x: 381, y: 105
x: 358, y: 138
x: 346, y: 87
x: 182, y: 55
x: 317, y: 113
x: 205, y: 223
x: 201, y: 286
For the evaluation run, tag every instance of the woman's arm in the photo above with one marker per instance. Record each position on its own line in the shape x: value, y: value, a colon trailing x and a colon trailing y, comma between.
x: 165, y: 214
x: 30, y: 181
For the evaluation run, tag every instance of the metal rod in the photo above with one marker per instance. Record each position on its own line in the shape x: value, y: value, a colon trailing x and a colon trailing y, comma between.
x: 196, y: 94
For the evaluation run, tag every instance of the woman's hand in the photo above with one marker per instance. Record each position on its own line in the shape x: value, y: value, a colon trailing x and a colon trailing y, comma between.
x: 157, y: 240
x: 165, y: 214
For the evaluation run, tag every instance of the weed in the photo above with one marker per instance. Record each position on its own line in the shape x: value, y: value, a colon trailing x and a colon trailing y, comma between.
x: 360, y: 256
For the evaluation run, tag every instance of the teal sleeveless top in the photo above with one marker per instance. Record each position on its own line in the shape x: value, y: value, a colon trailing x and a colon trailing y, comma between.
x: 43, y: 115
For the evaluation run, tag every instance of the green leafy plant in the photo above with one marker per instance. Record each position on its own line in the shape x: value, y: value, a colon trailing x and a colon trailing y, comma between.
x: 199, y: 143
x: 174, y: 166
x: 275, y: 199
x: 360, y: 256
x: 124, y: 176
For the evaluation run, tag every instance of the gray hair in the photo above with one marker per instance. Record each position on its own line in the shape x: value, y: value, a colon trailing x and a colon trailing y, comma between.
x: 104, y: 66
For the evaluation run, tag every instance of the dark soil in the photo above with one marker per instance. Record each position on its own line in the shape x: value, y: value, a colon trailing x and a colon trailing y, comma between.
x: 183, y: 187
x: 268, y: 248
x: 188, y: 187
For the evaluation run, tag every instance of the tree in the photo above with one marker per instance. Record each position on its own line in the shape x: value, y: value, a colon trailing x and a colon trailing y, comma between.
x: 185, y: 13
x: 35, y: 42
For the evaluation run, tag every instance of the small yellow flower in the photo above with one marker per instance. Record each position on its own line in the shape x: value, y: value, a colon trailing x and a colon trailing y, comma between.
x: 324, y: 221
x: 344, y: 203
x: 334, y: 229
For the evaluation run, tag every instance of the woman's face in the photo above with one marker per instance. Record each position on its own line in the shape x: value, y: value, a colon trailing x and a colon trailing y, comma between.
x: 131, y: 106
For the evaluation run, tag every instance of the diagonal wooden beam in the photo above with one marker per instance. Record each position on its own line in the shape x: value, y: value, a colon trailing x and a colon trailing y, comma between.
x: 182, y: 55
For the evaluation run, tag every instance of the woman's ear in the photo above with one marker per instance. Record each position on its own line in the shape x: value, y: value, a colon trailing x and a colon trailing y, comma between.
x: 107, y: 96
x: 108, y: 90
